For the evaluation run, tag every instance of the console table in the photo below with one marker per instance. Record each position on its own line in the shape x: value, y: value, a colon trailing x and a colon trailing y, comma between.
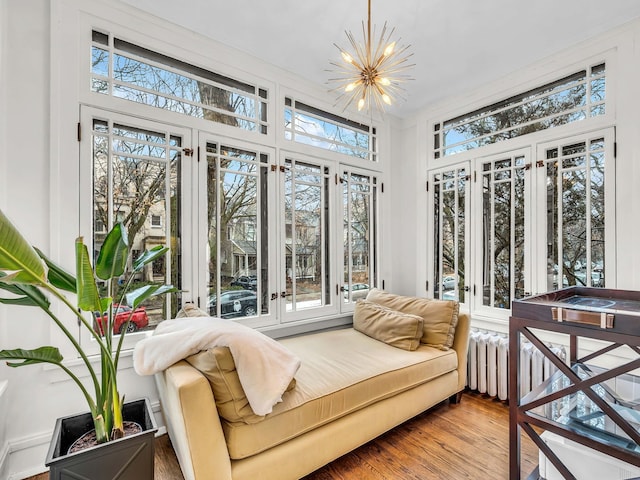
x: 588, y: 405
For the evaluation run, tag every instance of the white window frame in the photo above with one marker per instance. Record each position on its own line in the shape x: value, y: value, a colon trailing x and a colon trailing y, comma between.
x: 200, y: 245
x: 374, y: 236
x: 431, y: 231
x: 477, y: 241
x: 610, y: 204
x: 330, y: 305
x: 87, y: 114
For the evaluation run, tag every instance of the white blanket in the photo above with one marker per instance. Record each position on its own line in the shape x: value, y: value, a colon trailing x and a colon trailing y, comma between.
x: 264, y: 366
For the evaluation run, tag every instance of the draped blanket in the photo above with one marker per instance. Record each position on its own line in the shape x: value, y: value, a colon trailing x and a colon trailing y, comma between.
x: 265, y: 368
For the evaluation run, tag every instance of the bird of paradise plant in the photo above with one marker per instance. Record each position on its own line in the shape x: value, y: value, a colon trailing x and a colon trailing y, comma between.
x: 32, y: 279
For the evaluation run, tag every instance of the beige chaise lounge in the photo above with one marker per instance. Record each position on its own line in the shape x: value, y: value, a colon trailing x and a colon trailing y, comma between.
x: 349, y: 389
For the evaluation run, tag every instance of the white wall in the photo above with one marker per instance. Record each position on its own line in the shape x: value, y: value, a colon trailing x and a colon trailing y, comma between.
x: 4, y: 444
x: 25, y: 191
x: 406, y: 175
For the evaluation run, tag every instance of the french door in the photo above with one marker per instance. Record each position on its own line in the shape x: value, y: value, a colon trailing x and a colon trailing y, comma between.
x: 133, y: 171
x: 450, y: 189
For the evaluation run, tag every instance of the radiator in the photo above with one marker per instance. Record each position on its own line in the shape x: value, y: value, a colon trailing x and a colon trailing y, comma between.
x: 488, y: 364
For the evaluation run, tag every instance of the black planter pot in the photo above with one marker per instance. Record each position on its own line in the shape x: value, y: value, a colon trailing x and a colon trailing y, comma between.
x: 128, y: 458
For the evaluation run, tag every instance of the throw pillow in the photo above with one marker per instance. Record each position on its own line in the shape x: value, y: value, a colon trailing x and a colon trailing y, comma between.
x: 399, y: 329
x: 218, y: 366
x: 440, y: 316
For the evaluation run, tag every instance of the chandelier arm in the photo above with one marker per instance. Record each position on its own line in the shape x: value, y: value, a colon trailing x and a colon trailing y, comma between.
x: 359, y: 61
x: 395, y: 65
x: 382, y: 45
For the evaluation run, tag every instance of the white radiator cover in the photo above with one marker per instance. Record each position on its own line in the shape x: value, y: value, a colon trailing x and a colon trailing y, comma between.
x: 488, y: 364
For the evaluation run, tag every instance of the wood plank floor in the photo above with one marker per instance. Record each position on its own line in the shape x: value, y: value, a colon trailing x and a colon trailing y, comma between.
x: 469, y: 440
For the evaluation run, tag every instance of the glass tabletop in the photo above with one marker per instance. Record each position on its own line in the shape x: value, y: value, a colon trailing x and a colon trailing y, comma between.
x: 581, y: 414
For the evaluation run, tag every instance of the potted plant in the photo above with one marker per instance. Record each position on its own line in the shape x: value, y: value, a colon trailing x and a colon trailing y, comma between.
x: 32, y: 280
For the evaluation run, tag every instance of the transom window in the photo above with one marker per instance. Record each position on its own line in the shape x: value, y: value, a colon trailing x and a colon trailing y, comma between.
x: 312, y: 126
x: 569, y: 99
x: 134, y: 73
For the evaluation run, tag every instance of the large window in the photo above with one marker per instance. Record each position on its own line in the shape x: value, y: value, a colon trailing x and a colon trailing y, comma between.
x: 532, y: 226
x: 255, y: 236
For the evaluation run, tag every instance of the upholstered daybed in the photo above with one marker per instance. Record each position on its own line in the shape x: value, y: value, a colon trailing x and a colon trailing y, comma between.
x: 352, y: 385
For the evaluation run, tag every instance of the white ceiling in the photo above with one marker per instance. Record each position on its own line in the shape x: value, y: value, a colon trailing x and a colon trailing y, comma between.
x: 457, y: 45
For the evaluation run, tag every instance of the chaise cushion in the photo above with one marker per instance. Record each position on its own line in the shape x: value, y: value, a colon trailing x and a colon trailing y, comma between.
x: 231, y: 401
x: 342, y: 371
x: 402, y: 330
x: 440, y: 316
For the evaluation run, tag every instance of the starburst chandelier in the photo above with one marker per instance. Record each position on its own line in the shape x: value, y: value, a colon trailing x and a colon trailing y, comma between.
x: 373, y: 73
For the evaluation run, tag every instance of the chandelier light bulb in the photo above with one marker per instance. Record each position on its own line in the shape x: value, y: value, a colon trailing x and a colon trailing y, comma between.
x: 374, y: 63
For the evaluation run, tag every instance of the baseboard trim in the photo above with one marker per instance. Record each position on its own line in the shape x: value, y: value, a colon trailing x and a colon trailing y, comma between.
x: 4, y: 460
x: 4, y: 444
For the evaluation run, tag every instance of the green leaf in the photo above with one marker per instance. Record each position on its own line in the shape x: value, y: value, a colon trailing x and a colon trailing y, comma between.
x: 58, y: 277
x: 112, y: 259
x: 30, y: 357
x: 139, y: 295
x: 26, y: 295
x: 87, y: 290
x: 16, y: 254
x: 149, y: 256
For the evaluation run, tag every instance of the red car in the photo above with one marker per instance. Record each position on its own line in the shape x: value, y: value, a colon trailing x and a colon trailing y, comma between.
x: 139, y: 319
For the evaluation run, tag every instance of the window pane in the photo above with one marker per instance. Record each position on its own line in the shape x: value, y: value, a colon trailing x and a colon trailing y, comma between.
x: 136, y: 180
x: 312, y: 126
x: 503, y: 220
x: 576, y: 219
x: 359, y: 192
x: 236, y: 194
x: 306, y: 247
x: 449, y: 234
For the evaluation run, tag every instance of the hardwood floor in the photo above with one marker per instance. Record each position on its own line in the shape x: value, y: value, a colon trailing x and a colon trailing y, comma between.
x: 469, y: 440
